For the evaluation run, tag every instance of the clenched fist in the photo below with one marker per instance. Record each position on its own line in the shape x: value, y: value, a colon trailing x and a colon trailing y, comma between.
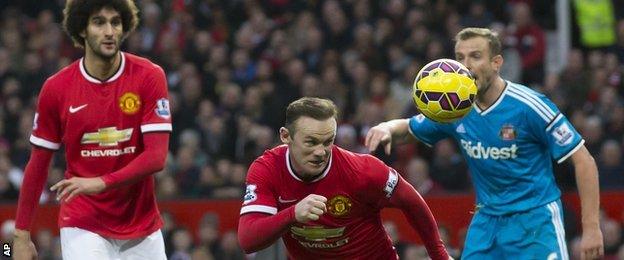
x: 310, y: 208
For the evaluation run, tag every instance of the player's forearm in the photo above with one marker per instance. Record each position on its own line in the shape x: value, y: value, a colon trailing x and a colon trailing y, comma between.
x: 257, y: 231
x: 400, y: 131
x: 21, y: 234
x: 420, y: 218
x: 150, y: 161
x: 587, y: 181
x: 35, y: 176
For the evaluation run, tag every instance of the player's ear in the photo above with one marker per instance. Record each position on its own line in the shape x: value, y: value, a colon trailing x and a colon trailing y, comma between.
x: 497, y: 62
x: 284, y: 135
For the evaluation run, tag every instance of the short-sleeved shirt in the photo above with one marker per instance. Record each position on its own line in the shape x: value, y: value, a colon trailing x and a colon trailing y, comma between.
x: 509, y: 148
x: 356, y: 186
x: 100, y: 124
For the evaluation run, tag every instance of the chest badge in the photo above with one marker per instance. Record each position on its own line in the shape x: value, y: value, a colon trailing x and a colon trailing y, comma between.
x: 129, y: 103
x: 339, y: 206
x: 507, y: 132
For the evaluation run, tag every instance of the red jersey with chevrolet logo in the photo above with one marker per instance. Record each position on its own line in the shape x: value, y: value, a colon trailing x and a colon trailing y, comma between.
x: 356, y: 186
x: 100, y: 124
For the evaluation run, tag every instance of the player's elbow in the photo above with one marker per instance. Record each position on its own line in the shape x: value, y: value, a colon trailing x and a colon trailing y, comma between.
x: 159, y: 161
x: 248, y: 249
x: 248, y: 240
x: 246, y: 243
x: 160, y: 164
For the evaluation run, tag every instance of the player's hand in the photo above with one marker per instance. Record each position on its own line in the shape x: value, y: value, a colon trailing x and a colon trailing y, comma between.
x: 310, y: 208
x: 23, y: 247
x: 69, y: 188
x: 379, y: 135
x: 591, y: 244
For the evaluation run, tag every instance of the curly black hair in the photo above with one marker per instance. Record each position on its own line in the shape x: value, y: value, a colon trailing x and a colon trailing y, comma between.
x: 77, y: 12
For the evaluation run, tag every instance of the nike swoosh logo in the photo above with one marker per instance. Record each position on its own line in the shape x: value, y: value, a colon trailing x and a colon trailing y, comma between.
x: 285, y: 201
x: 76, y: 109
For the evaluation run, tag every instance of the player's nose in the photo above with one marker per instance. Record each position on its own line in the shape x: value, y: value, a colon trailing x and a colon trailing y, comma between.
x: 468, y: 65
x: 320, y: 152
x: 108, y: 29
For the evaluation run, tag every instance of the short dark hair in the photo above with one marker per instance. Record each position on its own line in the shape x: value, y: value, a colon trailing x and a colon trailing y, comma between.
x: 76, y: 16
x: 317, y: 108
x: 489, y: 35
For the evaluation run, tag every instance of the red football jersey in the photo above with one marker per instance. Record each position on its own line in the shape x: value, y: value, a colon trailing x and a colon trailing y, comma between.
x: 356, y: 186
x: 101, y: 123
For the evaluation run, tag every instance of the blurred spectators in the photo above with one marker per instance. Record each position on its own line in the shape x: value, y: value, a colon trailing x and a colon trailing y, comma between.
x: 417, y: 174
x: 415, y: 252
x: 528, y: 38
x: 48, y: 246
x: 347, y: 138
x: 229, y: 249
x: 8, y: 190
x: 182, y: 243
x: 392, y: 230
x: 232, y: 67
x: 446, y: 238
x: 6, y: 231
x: 610, y: 165
x: 448, y: 167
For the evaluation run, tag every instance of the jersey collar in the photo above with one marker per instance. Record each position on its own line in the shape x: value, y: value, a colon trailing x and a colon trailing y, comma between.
x: 498, y: 101
x: 292, y: 172
x: 115, y: 76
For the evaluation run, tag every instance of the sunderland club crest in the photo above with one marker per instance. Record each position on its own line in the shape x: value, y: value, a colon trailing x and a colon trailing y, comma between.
x: 507, y: 132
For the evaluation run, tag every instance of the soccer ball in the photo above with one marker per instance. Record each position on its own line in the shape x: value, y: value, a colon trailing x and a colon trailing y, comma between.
x: 444, y: 90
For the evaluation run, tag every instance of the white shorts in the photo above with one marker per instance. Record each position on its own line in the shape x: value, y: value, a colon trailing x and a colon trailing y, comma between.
x: 78, y: 243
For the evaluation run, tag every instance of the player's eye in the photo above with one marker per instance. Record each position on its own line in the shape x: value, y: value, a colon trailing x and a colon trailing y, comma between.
x: 97, y: 21
x: 116, y: 22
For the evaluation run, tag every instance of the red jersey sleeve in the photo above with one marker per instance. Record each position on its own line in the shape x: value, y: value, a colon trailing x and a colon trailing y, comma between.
x: 420, y: 218
x: 156, y: 115
x: 35, y: 175
x: 381, y: 179
x: 46, y: 131
x: 260, y: 193
x: 388, y: 189
x: 150, y: 161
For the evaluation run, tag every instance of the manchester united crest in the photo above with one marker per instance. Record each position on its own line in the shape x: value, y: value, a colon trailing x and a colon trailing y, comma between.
x: 339, y: 206
x: 507, y: 132
x: 129, y: 103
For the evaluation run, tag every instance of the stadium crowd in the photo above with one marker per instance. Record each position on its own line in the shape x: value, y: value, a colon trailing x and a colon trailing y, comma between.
x: 232, y: 67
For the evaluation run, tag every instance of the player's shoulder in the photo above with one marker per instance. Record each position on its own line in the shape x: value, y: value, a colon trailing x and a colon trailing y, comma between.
x: 141, y: 63
x: 366, y: 172
x: 63, y: 76
x: 271, y: 158
x: 523, y: 90
x: 531, y: 101
x: 361, y: 164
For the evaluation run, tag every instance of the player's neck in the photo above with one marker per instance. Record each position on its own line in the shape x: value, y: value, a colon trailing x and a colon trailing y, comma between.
x: 101, y: 68
x: 304, y: 178
x: 491, y: 94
